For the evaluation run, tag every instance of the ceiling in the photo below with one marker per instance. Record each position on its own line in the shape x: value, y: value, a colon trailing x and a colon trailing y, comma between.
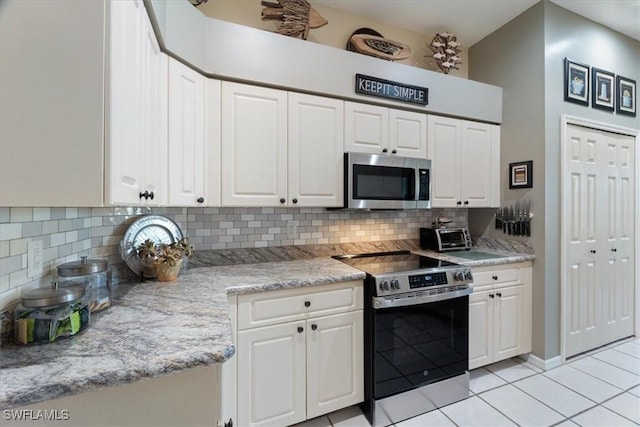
x: 472, y: 20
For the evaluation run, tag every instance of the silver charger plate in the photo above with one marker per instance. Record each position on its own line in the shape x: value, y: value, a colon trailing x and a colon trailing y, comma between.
x: 156, y: 228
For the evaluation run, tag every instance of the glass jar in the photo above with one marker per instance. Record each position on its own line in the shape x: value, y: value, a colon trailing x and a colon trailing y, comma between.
x: 94, y: 275
x: 47, y: 314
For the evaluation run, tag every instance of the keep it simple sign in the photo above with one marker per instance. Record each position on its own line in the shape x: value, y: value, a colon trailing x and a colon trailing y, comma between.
x: 367, y: 85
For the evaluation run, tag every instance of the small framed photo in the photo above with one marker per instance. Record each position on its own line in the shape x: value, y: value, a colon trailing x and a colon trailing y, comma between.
x: 603, y: 90
x: 576, y: 82
x: 521, y: 174
x: 625, y: 96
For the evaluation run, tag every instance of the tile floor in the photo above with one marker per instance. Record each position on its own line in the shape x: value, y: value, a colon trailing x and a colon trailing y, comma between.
x: 598, y: 388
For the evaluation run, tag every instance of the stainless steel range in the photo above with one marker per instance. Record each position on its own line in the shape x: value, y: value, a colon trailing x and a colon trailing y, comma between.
x: 416, y: 334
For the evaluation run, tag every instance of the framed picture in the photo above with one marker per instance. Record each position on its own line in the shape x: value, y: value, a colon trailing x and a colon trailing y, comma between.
x: 576, y: 82
x: 625, y: 96
x: 521, y: 174
x: 603, y: 90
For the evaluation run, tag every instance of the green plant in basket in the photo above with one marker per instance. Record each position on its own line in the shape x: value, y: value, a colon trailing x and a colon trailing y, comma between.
x: 165, y: 257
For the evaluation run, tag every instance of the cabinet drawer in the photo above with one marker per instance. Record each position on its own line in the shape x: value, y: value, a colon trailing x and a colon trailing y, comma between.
x: 485, y: 276
x: 268, y: 308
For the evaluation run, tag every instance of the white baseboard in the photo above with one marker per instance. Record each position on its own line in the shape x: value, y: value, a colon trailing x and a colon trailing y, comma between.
x: 544, y: 364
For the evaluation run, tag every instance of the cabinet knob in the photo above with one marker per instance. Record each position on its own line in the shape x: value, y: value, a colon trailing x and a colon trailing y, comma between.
x: 300, y: 329
x: 593, y: 251
x: 499, y: 294
x: 294, y: 201
x: 200, y: 200
x: 384, y: 150
x: 282, y: 200
x: 458, y: 203
x: 314, y: 327
x: 492, y: 296
x: 394, y: 151
x: 614, y: 250
x: 145, y: 195
x: 466, y: 202
x: 494, y: 277
x: 229, y: 423
x: 307, y: 303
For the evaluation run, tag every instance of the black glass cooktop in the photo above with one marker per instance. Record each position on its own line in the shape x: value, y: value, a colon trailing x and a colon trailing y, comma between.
x: 392, y: 262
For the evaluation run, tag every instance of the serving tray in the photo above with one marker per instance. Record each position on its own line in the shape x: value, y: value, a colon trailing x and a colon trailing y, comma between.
x: 158, y: 229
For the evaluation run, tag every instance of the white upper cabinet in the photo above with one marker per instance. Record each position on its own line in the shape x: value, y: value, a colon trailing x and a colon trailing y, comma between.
x: 381, y: 130
x: 137, y: 137
x: 254, y: 146
x: 315, y: 161
x: 465, y: 163
x: 279, y: 148
x: 187, y: 154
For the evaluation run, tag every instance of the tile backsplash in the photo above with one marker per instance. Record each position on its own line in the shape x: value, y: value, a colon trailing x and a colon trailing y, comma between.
x: 68, y: 233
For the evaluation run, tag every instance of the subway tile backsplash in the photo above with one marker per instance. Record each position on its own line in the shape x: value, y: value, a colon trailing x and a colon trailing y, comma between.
x: 68, y: 233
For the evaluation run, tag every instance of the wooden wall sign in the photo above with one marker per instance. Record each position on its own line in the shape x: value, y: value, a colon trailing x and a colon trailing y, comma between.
x: 373, y: 86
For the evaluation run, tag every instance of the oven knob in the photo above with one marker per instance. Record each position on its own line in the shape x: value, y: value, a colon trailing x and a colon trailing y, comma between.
x: 468, y: 275
x: 458, y: 275
x: 395, y: 284
x: 384, y: 285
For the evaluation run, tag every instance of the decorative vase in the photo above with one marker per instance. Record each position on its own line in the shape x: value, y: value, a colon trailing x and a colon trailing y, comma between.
x: 166, y: 272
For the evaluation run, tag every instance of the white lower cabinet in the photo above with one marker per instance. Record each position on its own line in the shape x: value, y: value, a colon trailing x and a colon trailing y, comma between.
x: 499, y: 313
x: 302, y: 368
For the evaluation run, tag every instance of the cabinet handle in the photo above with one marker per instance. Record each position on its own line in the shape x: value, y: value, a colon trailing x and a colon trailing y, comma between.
x: 314, y: 326
x: 458, y: 203
x: 300, y: 329
x: 384, y: 150
x: 499, y: 294
x: 295, y: 201
x: 282, y: 200
x: 494, y: 277
x: 492, y: 296
x: 466, y: 202
x: 307, y: 303
x: 394, y: 151
x: 200, y: 200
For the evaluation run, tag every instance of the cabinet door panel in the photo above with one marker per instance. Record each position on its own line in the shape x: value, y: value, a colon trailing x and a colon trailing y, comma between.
x: 366, y: 128
x: 335, y: 357
x: 509, y: 312
x: 254, y: 145
x: 126, y: 161
x: 187, y: 164
x: 271, y: 375
x: 479, y: 164
x: 443, y: 150
x: 315, y: 163
x: 480, y: 329
x: 408, y: 133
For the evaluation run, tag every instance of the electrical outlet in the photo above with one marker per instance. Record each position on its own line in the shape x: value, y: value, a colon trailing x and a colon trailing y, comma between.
x: 292, y: 229
x: 34, y: 258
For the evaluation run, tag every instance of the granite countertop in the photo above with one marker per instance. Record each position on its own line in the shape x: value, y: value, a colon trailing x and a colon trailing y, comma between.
x: 483, y: 256
x: 152, y: 329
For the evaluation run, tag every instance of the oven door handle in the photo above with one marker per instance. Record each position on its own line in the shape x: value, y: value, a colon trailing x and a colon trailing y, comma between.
x: 387, y: 302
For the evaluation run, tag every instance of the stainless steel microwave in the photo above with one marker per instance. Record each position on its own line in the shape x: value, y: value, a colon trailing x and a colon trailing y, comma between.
x: 375, y: 181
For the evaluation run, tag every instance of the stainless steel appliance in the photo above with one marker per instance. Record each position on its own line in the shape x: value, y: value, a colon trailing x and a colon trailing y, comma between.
x: 416, y: 334
x: 386, y: 182
x: 445, y: 239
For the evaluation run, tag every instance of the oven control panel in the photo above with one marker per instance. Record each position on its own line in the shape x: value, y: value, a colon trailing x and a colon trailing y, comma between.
x: 402, y: 283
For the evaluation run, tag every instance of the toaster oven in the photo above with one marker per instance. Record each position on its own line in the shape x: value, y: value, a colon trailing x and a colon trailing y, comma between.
x: 445, y: 239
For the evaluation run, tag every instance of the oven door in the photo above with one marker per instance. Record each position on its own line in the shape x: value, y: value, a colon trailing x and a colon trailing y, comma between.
x: 418, y: 344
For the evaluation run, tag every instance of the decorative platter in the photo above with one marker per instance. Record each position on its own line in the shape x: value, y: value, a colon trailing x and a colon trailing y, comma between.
x: 156, y: 228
